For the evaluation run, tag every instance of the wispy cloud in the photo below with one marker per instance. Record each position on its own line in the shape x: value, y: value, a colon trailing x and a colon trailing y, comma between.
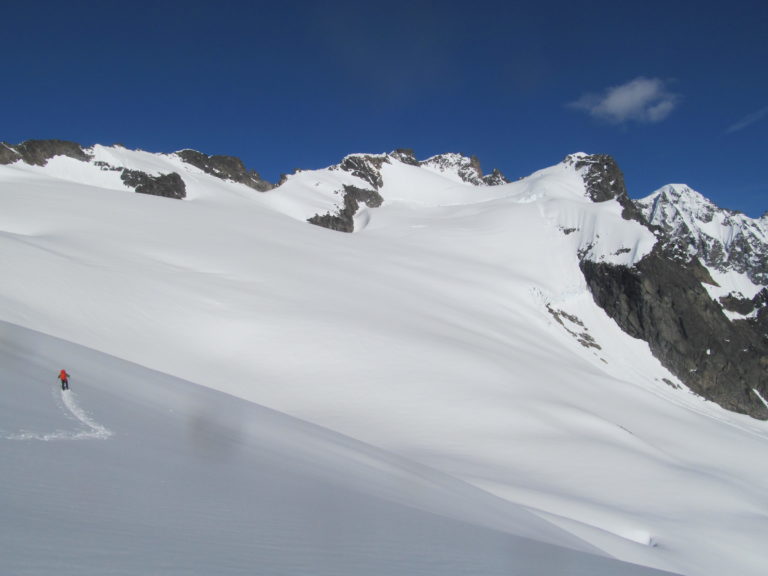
x: 748, y: 120
x: 644, y: 100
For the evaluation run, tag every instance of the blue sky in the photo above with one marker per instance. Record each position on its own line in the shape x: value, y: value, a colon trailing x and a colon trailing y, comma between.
x: 675, y: 91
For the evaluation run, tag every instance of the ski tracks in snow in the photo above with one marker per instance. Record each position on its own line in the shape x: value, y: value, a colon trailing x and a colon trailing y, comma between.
x: 68, y: 403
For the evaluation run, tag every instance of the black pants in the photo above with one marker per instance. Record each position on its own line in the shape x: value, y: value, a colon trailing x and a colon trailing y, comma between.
x: 64, y: 384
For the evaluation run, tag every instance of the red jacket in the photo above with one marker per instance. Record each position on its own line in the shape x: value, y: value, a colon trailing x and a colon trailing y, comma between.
x: 63, y: 375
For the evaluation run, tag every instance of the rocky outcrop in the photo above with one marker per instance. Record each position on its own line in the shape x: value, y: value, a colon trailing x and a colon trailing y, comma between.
x: 468, y: 169
x: 761, y: 318
x: 167, y: 185
x: 604, y: 180
x: 745, y: 306
x: 602, y: 177
x: 406, y: 156
x: 495, y: 178
x: 226, y: 168
x: 660, y: 301
x: 38, y: 152
x: 343, y: 221
x: 7, y: 154
x: 365, y: 167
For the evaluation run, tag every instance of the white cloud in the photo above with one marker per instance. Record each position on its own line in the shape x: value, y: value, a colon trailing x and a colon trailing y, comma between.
x: 748, y: 120
x: 643, y: 99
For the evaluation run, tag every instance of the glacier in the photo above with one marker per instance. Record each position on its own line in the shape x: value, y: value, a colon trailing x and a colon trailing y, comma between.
x: 267, y: 396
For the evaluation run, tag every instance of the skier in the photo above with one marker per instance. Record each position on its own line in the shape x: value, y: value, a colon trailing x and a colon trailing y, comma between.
x: 64, y: 377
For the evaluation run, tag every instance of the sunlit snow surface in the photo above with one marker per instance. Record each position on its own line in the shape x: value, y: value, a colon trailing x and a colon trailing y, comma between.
x: 193, y: 481
x: 430, y: 340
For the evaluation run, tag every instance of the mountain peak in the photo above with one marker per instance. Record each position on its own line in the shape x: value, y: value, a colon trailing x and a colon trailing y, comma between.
x: 603, y: 180
x: 685, y: 202
x: 601, y: 174
x: 683, y: 195
x: 724, y: 240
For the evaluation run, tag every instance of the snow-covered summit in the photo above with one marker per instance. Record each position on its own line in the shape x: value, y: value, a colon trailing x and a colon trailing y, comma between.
x: 732, y: 245
x: 338, y: 197
x: 457, y: 167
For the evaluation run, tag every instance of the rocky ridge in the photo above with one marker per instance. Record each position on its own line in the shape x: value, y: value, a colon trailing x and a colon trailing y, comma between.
x: 38, y: 152
x: 662, y: 300
x: 368, y: 167
x: 603, y: 180
x: 170, y: 185
x: 722, y: 239
x: 466, y: 168
x: 226, y: 168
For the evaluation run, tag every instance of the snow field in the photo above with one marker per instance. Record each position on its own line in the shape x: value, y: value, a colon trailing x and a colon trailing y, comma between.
x: 193, y: 481
x: 426, y: 335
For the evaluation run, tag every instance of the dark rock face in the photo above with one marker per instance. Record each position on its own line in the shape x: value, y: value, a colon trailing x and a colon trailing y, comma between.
x: 370, y: 197
x: 495, y: 178
x: 761, y: 321
x: 757, y: 305
x: 38, y: 152
x: 166, y: 185
x: 745, y: 306
x: 660, y: 301
x: 343, y: 221
x: 226, y: 168
x: 605, y: 181
x: 406, y: 156
x: 602, y: 176
x: 761, y: 299
x: 733, y: 303
x: 7, y: 154
x: 367, y: 168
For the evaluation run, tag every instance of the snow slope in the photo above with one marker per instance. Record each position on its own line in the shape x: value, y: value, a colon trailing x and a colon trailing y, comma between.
x: 454, y: 331
x: 191, y: 481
